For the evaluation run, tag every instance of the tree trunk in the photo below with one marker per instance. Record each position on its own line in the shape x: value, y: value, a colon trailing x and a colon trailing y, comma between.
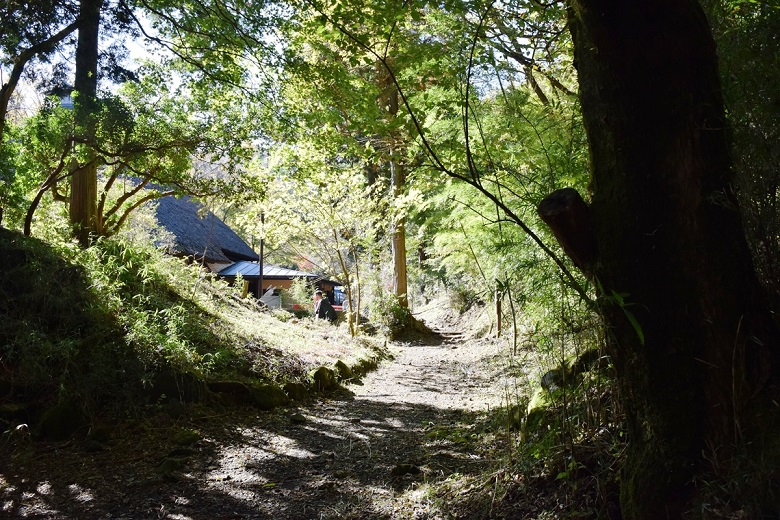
x: 397, y: 176
x: 83, y: 192
x: 389, y: 102
x: 690, y: 334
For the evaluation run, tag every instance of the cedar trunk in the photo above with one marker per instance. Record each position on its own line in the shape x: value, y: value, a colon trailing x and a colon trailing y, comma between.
x: 397, y: 180
x: 83, y: 191
x: 390, y: 103
x: 696, y: 373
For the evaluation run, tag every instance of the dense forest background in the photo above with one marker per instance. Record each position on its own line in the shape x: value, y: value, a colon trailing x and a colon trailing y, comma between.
x: 409, y: 149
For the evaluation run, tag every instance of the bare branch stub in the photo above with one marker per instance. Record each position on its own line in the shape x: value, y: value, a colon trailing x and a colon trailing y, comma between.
x: 568, y: 216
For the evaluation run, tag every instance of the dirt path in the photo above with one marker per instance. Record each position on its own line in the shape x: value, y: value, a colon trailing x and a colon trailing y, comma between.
x: 365, y: 452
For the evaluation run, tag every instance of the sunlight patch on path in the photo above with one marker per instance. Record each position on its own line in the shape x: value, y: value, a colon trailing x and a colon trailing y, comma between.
x: 447, y: 377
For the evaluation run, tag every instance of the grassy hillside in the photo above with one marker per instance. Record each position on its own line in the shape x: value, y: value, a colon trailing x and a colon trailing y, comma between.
x: 120, y: 325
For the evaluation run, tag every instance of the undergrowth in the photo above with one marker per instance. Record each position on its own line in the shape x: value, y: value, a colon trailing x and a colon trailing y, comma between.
x: 553, y: 466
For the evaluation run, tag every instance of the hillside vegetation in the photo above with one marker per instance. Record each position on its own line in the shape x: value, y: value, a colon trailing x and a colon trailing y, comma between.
x: 118, y: 326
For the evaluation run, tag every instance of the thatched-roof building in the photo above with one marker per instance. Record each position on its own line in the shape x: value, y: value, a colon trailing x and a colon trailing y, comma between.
x: 199, y: 234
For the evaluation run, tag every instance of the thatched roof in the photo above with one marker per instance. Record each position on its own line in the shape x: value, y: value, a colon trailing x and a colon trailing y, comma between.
x: 199, y: 233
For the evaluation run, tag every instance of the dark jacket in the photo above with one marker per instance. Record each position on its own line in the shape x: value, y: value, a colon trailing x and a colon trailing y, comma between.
x: 325, y: 310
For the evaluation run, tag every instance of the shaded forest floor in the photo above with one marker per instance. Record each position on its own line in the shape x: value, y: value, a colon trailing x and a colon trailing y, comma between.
x: 410, y: 440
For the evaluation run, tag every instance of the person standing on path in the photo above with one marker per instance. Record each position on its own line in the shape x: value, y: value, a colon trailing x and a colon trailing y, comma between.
x: 322, y: 307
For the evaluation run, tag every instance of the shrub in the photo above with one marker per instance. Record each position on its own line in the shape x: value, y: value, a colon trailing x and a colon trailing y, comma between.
x: 300, y: 293
x: 389, y: 316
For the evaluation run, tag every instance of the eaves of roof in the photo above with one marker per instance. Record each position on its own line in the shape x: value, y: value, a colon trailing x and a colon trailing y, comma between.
x: 251, y: 270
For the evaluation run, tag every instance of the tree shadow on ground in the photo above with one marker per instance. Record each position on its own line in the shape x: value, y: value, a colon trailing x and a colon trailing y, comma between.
x: 342, y: 457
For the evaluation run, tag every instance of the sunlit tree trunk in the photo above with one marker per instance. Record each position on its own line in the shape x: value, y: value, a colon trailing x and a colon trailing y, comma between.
x: 83, y: 192
x: 389, y: 101
x: 397, y: 176
x: 690, y: 334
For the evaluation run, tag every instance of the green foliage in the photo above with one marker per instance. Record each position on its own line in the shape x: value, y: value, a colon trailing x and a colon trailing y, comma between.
x: 301, y: 293
x: 155, y: 130
x: 14, y: 185
x: 748, y: 51
x: 102, y: 324
x: 471, y: 244
x: 31, y: 150
x: 388, y: 315
x: 48, y: 341
x: 134, y: 286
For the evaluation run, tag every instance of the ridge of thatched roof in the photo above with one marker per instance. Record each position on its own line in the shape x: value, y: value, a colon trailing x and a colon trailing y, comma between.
x: 199, y: 233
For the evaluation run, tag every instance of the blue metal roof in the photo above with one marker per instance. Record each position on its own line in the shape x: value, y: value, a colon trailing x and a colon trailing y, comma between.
x: 252, y: 270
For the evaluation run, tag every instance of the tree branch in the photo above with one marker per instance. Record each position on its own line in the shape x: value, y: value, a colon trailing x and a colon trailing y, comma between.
x: 120, y: 222
x: 438, y: 164
x: 20, y: 62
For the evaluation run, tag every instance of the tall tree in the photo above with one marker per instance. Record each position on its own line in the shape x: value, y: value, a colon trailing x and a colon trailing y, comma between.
x: 83, y: 182
x: 690, y: 335
x: 396, y: 146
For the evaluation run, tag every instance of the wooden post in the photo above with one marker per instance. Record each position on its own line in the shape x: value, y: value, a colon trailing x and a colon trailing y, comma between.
x: 262, y: 243
x: 498, y: 312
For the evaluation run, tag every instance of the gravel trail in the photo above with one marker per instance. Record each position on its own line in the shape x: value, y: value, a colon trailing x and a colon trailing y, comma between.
x: 366, y: 451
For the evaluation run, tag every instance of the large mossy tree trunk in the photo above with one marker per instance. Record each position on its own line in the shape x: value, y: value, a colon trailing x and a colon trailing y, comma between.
x: 690, y: 334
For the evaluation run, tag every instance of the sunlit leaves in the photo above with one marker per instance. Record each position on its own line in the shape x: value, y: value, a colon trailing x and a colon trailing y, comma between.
x: 234, y: 42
